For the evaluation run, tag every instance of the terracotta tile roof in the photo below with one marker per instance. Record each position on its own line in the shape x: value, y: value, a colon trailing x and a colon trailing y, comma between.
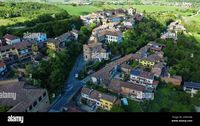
x: 94, y: 94
x: 104, y: 73
x: 152, y: 58
x: 24, y: 96
x: 107, y: 97
x: 133, y: 86
x: 141, y: 73
x: 159, y: 65
x: 116, y: 86
x: 3, y: 48
x: 22, y: 44
x: 51, y: 40
x: 65, y: 36
x: 110, y: 32
x: 10, y: 37
x: 126, y: 66
x: 136, y: 56
x: 86, y: 91
x: 93, y: 45
x: 18, y: 45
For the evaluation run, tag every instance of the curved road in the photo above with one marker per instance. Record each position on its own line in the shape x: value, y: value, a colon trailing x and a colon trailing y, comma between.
x: 72, y: 86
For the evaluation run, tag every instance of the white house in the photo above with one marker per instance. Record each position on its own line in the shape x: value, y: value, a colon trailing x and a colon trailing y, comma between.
x: 191, y: 87
x: 38, y: 37
x: 95, y: 51
x: 114, y: 36
x: 129, y: 23
x: 141, y: 77
x: 11, y: 39
x: 131, y: 11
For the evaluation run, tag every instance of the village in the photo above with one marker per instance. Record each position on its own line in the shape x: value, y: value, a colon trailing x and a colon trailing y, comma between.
x: 135, y: 76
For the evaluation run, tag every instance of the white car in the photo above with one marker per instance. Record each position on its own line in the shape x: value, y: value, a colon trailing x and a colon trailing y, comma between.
x: 76, y: 75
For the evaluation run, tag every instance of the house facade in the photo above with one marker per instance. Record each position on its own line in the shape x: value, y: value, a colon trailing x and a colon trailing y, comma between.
x: 95, y: 51
x: 15, y: 52
x: 68, y: 36
x: 175, y: 80
x: 142, y: 77
x: 131, y: 11
x: 98, y: 99
x: 38, y: 37
x: 131, y: 90
x: 54, y: 44
x: 114, y: 36
x: 191, y: 87
x: 11, y: 39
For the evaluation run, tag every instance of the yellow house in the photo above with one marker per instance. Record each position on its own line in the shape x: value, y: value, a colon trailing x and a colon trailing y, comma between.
x: 106, y: 104
x: 102, y: 100
x: 53, y: 44
x: 107, y: 101
x: 147, y: 63
x: 150, y: 61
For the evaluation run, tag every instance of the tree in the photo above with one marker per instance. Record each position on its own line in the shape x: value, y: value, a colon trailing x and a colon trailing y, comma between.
x: 116, y: 108
x: 4, y: 108
x: 196, y: 99
x: 133, y: 106
x: 35, y: 48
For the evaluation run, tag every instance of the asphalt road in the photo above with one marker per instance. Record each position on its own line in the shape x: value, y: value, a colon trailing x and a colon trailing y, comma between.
x: 72, y: 86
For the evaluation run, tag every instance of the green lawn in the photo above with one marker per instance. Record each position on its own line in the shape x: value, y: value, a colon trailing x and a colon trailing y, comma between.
x: 79, y: 10
x: 192, y: 23
x: 4, y: 22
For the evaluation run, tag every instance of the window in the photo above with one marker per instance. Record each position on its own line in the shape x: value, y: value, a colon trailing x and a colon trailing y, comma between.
x: 44, y: 94
x: 35, y: 103
x: 40, y: 98
x: 30, y: 107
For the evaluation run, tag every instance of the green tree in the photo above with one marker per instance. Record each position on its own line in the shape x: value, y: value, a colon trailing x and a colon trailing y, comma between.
x: 116, y: 108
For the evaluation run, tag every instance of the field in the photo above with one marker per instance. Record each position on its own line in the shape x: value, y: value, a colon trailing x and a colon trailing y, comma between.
x: 193, y: 25
x: 79, y: 10
x: 4, y: 22
x: 14, y: 13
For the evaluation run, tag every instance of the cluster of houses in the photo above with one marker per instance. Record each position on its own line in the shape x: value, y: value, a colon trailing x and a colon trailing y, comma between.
x: 110, y: 26
x: 172, y: 30
x: 14, y: 49
x: 135, y: 82
x: 118, y: 16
